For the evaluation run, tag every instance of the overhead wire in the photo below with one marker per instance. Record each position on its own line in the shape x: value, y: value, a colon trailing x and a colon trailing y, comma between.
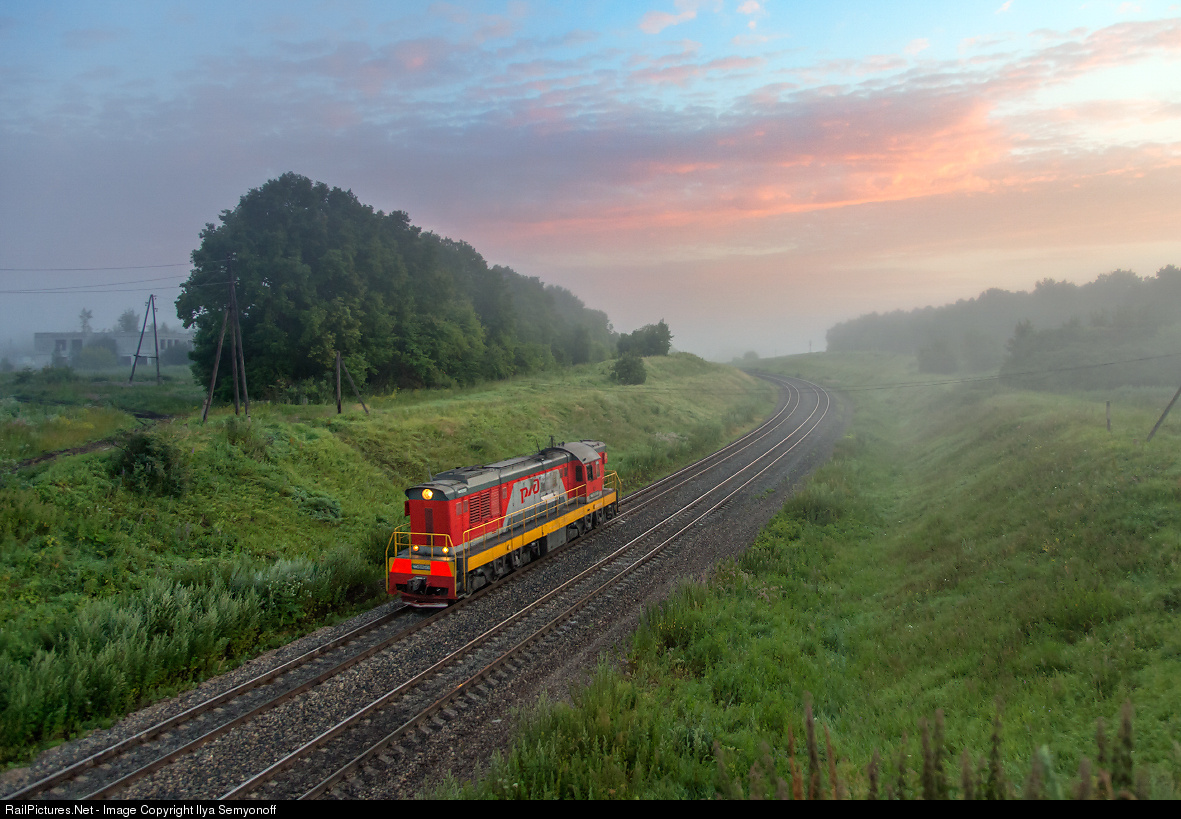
x: 88, y: 269
x: 89, y: 288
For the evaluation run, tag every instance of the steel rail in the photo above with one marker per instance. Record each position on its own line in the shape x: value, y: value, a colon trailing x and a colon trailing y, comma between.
x: 291, y: 758
x: 521, y: 645
x: 74, y: 770
x: 739, y: 446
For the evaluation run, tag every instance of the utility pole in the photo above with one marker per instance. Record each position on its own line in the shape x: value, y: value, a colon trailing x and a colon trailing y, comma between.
x: 216, y: 361
x: 340, y: 365
x: 338, y: 410
x: 1165, y: 413
x: 237, y: 355
x: 155, y: 336
x: 234, y: 353
x: 150, y: 307
x: 241, y: 350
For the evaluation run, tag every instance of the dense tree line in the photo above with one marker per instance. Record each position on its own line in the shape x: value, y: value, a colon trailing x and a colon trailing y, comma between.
x: 1058, y: 325
x: 651, y: 339
x: 318, y: 271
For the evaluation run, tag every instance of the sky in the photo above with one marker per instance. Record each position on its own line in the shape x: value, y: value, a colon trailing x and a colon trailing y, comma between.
x: 750, y: 171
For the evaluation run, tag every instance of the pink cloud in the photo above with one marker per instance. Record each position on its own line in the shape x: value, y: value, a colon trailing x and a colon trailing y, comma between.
x: 655, y: 22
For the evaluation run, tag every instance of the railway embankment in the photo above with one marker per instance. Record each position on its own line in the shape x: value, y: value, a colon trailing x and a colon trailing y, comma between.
x: 977, y: 596
x: 136, y: 572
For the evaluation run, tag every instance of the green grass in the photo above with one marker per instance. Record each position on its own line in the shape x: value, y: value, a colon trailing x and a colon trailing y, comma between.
x: 968, y: 548
x: 57, y: 409
x: 128, y: 574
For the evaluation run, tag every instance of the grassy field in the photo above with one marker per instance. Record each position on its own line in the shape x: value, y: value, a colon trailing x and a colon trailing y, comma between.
x: 58, y: 409
x: 133, y: 572
x: 970, y: 551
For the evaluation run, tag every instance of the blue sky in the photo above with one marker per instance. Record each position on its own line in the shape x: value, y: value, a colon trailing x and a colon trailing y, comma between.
x: 750, y: 171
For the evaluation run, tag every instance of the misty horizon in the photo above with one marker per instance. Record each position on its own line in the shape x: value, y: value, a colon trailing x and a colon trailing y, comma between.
x: 752, y: 173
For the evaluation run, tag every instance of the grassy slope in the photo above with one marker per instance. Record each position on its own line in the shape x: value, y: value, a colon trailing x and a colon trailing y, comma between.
x: 967, y: 546
x: 281, y: 525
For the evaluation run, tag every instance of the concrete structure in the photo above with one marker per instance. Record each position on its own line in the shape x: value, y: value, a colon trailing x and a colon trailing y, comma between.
x: 69, y: 344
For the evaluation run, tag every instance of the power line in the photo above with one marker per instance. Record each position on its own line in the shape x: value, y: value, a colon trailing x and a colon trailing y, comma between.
x: 89, y: 286
x: 85, y: 289
x: 85, y: 269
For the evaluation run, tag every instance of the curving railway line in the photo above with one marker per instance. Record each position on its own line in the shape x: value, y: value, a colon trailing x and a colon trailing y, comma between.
x: 332, y: 721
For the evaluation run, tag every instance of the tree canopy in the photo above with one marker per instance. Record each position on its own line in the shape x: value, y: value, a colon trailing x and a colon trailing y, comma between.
x: 318, y: 271
x: 1119, y: 315
x: 651, y: 339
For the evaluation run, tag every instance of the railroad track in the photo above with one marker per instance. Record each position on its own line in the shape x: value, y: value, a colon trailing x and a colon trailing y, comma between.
x: 361, y: 739
x: 420, y: 699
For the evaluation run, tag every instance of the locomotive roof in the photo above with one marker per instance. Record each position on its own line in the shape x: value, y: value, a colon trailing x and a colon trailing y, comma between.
x: 464, y: 480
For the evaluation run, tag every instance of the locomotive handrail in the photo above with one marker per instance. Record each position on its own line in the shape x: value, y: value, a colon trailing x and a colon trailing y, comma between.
x: 543, y: 509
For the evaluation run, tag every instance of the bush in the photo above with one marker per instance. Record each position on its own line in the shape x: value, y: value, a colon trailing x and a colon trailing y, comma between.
x: 629, y: 369
x: 317, y: 506
x: 151, y: 464
x: 246, y: 436
x: 58, y: 373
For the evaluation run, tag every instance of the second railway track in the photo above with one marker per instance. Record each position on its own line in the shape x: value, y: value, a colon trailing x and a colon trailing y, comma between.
x: 326, y: 712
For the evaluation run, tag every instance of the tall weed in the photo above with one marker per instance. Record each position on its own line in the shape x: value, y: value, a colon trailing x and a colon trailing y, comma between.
x: 115, y: 654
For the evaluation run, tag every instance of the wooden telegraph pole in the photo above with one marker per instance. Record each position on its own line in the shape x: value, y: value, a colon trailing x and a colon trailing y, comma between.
x: 150, y: 308
x: 155, y: 337
x: 1165, y: 414
x: 229, y: 320
x: 216, y: 361
x: 340, y: 365
x: 338, y: 410
x: 241, y: 351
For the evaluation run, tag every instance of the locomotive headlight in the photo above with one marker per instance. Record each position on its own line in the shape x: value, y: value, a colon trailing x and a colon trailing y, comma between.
x: 445, y: 550
x: 415, y: 548
x: 427, y: 494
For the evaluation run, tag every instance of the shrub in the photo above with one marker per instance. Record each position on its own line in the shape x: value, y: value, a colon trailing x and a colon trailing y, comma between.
x: 246, y: 436
x: 58, y: 373
x: 629, y: 369
x: 151, y: 464
x: 317, y: 506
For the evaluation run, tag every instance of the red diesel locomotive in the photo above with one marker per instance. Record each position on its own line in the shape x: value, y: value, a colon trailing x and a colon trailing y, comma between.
x: 472, y: 525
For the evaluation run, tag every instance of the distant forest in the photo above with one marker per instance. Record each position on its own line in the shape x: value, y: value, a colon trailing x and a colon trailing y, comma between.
x: 318, y: 271
x: 1060, y: 335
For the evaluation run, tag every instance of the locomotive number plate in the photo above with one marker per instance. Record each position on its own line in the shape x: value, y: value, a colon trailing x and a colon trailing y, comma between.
x: 420, y: 567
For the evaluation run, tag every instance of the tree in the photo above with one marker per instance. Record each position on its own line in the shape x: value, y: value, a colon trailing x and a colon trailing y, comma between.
x: 84, y: 318
x: 317, y: 271
x: 629, y: 369
x: 128, y: 321
x: 651, y: 339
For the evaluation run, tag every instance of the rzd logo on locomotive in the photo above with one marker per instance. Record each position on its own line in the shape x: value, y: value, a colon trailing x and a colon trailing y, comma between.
x: 529, y: 489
